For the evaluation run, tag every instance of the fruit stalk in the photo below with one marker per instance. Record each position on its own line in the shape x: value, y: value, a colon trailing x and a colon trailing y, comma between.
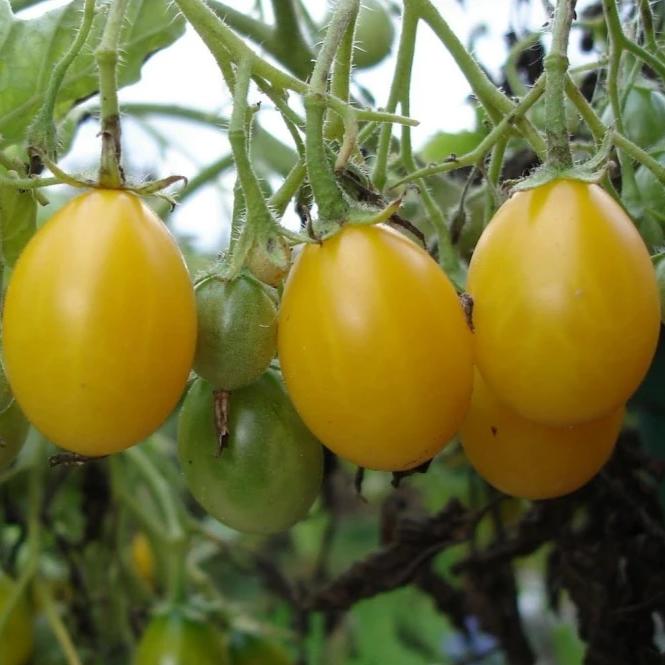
x: 556, y: 68
x: 106, y: 55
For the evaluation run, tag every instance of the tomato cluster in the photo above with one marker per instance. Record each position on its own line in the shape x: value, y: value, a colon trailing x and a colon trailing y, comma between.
x: 373, y: 344
x: 567, y: 316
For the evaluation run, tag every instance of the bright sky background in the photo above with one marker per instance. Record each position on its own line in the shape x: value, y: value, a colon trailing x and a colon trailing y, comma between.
x: 186, y: 74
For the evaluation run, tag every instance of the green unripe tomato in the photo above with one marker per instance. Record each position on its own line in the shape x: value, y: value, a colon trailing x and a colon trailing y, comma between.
x: 237, y: 331
x: 270, y: 470
x: 16, y: 640
x: 249, y: 649
x: 177, y: 637
x: 374, y: 34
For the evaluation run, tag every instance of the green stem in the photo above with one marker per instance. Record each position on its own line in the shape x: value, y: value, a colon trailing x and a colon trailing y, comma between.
x: 518, y: 86
x: 493, y: 100
x: 398, y: 88
x: 328, y: 196
x: 245, y: 24
x: 57, y: 626
x: 556, y: 69
x: 478, y: 153
x: 218, y: 36
x: 106, y: 55
x: 598, y: 131
x: 42, y: 131
x: 28, y: 183
x: 280, y: 200
x: 290, y: 46
x: 341, y: 80
x: 494, y: 176
x: 616, y: 44
x: 258, y: 212
x: 647, y: 25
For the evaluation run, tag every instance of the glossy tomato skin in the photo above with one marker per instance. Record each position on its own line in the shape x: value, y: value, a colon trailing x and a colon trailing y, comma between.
x: 271, y: 468
x: 16, y: 639
x: 374, y: 348
x: 237, y: 331
x: 99, y: 324
x: 566, y: 308
x: 178, y: 638
x: 530, y: 460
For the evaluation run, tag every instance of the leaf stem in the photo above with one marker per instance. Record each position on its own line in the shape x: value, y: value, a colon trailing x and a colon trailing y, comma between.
x: 106, y: 55
x: 332, y: 206
x: 493, y: 100
x: 42, y: 131
x: 478, y: 153
x: 57, y: 625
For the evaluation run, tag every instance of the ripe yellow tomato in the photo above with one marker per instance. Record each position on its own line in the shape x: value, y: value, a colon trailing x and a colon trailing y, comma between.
x: 530, y: 460
x: 374, y: 348
x: 566, y: 307
x: 99, y: 324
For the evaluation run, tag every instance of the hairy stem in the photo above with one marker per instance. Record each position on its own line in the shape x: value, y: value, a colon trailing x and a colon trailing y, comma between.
x: 556, y: 69
x: 106, y: 55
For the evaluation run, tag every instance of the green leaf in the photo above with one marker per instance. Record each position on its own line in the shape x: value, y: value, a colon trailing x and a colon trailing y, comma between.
x: 18, y: 221
x: 443, y: 144
x: 30, y: 48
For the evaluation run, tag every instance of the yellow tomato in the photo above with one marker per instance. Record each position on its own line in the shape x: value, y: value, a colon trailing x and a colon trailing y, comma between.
x: 566, y: 307
x: 99, y: 324
x: 374, y: 348
x: 530, y: 460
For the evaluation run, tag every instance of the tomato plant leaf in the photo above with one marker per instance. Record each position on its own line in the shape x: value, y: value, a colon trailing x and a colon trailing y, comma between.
x: 18, y: 220
x: 29, y: 48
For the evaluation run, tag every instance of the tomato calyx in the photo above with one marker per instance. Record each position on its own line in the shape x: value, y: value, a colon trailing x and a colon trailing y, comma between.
x: 150, y: 188
x: 592, y: 171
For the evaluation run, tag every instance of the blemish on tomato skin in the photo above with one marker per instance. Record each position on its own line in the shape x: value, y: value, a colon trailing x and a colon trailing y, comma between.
x: 494, y: 430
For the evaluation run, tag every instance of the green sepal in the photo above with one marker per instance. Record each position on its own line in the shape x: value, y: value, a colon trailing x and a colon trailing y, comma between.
x: 591, y: 171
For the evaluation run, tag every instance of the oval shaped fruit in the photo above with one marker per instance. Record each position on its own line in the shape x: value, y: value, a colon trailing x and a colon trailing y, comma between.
x: 177, y: 637
x: 99, y: 324
x: 374, y: 348
x: 374, y: 34
x: 566, y: 308
x: 16, y: 638
x: 249, y: 649
x: 529, y: 460
x: 270, y: 470
x: 237, y: 331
